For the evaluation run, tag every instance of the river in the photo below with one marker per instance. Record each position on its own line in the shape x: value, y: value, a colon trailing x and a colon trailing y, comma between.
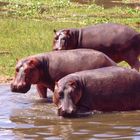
x: 27, y: 117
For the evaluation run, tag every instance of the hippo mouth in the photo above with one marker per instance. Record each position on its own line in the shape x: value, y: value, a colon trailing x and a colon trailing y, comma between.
x: 20, y: 89
x: 56, y: 49
x: 66, y: 114
x: 67, y: 109
x: 76, y: 114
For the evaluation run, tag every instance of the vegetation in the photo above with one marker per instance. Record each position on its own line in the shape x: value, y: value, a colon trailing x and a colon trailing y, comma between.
x: 26, y: 27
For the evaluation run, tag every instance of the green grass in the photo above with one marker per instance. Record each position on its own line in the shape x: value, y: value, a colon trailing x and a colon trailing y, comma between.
x: 26, y: 28
x: 20, y: 38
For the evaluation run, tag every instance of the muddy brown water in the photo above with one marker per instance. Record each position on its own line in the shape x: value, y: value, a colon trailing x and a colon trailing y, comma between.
x: 27, y: 117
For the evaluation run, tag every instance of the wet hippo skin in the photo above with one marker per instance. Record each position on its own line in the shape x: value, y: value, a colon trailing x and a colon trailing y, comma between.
x: 119, y: 42
x: 47, y: 68
x: 104, y: 89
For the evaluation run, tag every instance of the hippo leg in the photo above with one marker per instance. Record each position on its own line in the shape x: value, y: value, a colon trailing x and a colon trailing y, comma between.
x: 42, y: 91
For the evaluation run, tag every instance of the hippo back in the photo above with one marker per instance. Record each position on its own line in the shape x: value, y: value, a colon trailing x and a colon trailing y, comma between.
x: 107, y: 89
x: 61, y: 63
x: 106, y: 36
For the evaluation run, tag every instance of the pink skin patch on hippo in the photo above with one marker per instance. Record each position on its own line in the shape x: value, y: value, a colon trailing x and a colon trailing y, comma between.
x: 60, y: 41
x: 20, y: 76
x: 66, y: 104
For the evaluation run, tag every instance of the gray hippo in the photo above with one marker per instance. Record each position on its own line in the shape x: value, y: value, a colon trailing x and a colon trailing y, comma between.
x: 47, y: 68
x: 119, y: 42
x: 104, y: 89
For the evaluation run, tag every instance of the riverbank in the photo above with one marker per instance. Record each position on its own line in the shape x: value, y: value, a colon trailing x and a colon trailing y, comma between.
x: 27, y: 26
x: 5, y: 80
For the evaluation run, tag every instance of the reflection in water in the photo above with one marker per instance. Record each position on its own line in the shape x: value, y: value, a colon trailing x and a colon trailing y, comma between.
x: 26, y: 116
x: 110, y: 3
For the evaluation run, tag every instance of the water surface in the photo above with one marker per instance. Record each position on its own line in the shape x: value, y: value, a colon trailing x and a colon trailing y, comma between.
x: 110, y: 3
x: 27, y: 117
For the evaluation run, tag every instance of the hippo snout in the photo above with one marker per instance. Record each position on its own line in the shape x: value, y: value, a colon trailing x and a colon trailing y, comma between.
x: 22, y: 88
x: 57, y: 49
x: 66, y: 114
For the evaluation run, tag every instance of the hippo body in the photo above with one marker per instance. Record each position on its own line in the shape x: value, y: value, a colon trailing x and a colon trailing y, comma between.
x: 47, y: 68
x: 104, y: 89
x: 119, y: 42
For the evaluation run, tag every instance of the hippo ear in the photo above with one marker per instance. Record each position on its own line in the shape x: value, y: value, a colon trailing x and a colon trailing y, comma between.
x: 17, y: 59
x: 54, y: 31
x: 32, y: 62
x: 72, y: 83
x: 67, y: 32
x: 56, y: 84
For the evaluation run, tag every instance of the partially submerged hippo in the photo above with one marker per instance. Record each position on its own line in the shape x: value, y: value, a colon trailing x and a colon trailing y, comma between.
x: 47, y: 68
x: 119, y: 42
x: 104, y: 89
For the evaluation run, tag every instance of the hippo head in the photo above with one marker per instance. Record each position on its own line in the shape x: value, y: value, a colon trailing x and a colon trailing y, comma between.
x: 66, y: 96
x: 62, y: 40
x: 27, y: 73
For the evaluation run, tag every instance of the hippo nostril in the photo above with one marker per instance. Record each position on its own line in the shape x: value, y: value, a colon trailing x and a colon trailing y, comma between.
x: 59, y: 49
x: 55, y: 49
x: 15, y: 86
x: 21, y: 84
x: 61, y: 95
x: 21, y: 87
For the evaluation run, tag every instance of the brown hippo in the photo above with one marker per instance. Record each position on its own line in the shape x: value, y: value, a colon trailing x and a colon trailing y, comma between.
x: 119, y: 42
x: 104, y: 89
x: 47, y: 68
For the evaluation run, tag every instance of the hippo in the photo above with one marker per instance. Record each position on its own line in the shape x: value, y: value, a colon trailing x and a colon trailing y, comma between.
x: 104, y: 89
x: 119, y: 42
x: 45, y: 69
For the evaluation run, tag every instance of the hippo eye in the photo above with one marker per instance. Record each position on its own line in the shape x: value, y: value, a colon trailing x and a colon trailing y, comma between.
x: 17, y: 69
x: 61, y: 95
x: 63, y: 39
x: 56, y: 38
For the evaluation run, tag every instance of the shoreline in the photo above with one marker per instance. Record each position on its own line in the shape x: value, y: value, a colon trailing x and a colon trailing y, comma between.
x: 5, y: 80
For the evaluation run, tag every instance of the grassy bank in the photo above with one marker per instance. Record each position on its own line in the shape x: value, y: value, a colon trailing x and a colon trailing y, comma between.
x: 26, y: 28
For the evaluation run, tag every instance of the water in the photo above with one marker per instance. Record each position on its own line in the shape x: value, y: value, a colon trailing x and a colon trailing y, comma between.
x: 110, y: 3
x: 27, y: 117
